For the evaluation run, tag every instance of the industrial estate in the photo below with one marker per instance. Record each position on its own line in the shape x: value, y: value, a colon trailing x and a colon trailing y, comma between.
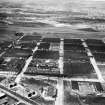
x: 38, y: 70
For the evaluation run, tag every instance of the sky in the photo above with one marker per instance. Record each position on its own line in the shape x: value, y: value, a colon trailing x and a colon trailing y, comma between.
x: 97, y: 0
x: 49, y: 0
x: 59, y: 4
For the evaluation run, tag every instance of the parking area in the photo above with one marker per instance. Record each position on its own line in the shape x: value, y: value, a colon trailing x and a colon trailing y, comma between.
x: 39, y: 54
x: 51, y: 40
x: 74, y: 47
x: 78, y: 68
x: 73, y: 56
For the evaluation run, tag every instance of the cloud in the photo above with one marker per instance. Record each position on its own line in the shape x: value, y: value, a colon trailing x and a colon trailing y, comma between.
x: 57, y: 4
x: 39, y: 1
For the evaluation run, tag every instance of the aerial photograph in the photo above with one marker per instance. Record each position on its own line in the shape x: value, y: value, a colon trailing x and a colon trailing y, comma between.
x: 52, y: 52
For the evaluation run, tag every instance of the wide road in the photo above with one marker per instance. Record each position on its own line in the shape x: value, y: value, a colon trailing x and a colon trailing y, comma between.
x: 28, y: 61
x: 61, y: 53
x: 18, y: 96
x: 93, y: 62
x: 60, y: 95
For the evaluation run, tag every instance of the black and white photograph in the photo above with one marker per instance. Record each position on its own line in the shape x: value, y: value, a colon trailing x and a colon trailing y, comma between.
x: 52, y: 52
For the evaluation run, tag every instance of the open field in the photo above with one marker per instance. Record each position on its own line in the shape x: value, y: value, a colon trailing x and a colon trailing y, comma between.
x: 62, y: 32
x: 73, y: 55
x: 79, y: 69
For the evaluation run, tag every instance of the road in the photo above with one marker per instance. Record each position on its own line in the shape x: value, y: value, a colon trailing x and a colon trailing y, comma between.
x: 66, y: 79
x: 61, y: 53
x: 93, y: 62
x: 18, y: 96
x: 20, y: 38
x: 60, y: 86
x: 17, y: 80
x: 28, y: 61
x: 81, y: 79
x: 60, y: 95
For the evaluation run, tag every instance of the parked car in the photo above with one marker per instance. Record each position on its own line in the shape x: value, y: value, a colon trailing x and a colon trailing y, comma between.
x: 13, y: 85
x: 32, y: 94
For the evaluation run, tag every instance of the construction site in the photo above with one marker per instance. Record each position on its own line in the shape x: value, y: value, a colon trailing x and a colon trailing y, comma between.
x: 52, y: 71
